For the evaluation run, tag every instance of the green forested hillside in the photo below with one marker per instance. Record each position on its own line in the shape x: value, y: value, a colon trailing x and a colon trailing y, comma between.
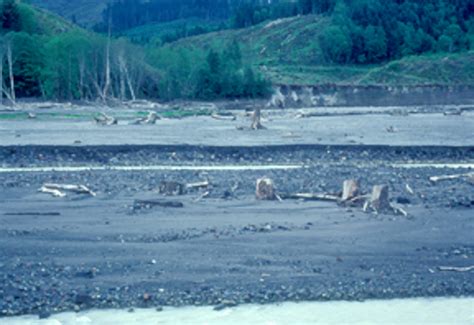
x: 341, y: 42
x: 84, y: 12
x: 289, y: 51
x: 42, y: 55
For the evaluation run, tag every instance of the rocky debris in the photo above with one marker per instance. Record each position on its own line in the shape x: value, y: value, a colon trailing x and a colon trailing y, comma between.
x: 265, y: 189
x: 106, y: 120
x: 171, y: 188
x: 59, y: 190
x: 148, y: 204
x: 225, y: 304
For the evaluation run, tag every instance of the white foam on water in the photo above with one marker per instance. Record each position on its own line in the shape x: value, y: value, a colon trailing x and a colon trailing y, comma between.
x: 150, y: 168
x: 399, y: 311
x: 215, y: 168
x: 446, y: 165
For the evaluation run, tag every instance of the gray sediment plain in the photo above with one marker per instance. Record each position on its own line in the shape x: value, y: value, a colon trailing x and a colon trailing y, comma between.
x: 226, y: 248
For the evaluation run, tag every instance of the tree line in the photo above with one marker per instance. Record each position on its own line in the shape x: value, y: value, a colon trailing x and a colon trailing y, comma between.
x: 82, y: 65
x: 359, y: 32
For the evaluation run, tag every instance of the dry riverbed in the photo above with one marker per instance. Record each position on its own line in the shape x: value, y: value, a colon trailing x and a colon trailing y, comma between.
x: 217, y: 245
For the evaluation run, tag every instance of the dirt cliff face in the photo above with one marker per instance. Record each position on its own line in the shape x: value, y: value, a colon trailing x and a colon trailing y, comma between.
x: 333, y: 95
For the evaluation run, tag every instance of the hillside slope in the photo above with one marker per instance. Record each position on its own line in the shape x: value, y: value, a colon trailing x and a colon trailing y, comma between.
x: 288, y: 52
x: 86, y: 12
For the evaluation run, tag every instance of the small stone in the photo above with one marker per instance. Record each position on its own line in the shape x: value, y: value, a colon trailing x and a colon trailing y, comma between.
x: 43, y: 314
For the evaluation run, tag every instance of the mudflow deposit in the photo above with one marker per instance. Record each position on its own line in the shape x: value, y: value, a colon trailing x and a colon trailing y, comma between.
x: 316, y: 205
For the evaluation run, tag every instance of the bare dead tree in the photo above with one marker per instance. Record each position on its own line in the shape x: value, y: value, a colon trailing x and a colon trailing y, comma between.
x: 105, y: 91
x: 1, y: 71
x: 12, y: 96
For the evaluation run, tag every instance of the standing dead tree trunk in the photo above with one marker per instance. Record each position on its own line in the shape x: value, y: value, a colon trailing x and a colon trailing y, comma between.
x: 12, y: 96
x: 107, y: 82
x: 125, y: 77
x: 1, y: 75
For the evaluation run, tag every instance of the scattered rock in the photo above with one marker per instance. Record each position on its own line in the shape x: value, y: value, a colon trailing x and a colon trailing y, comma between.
x: 225, y: 304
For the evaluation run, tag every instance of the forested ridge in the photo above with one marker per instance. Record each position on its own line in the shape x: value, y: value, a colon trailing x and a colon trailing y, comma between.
x: 133, y: 52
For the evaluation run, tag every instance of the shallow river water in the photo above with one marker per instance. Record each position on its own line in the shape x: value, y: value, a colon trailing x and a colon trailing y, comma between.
x: 403, y: 311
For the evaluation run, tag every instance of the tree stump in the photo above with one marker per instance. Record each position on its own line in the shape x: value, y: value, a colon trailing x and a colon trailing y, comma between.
x: 380, y: 200
x: 265, y: 189
x: 350, y: 190
x: 171, y: 188
x: 256, y: 120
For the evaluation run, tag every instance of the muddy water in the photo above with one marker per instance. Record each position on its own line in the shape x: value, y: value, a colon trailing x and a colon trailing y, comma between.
x: 408, y: 311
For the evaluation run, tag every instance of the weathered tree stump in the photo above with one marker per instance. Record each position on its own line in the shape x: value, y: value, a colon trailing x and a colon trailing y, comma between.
x: 256, y: 120
x: 350, y: 190
x: 265, y: 189
x: 380, y: 200
x: 171, y: 188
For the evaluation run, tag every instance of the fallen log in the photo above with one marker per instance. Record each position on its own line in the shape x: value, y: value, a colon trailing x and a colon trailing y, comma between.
x: 456, y: 269
x: 224, y: 117
x: 198, y: 185
x: 435, y: 179
x: 311, y: 197
x: 151, y: 119
x: 53, y: 192
x: 202, y: 196
x: 105, y: 120
x: 58, y: 190
x: 138, y: 204
x: 32, y: 214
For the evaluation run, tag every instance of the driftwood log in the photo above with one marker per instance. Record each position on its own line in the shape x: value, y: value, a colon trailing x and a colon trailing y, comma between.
x: 224, y: 117
x: 140, y: 204
x: 105, y: 120
x: 58, y: 190
x: 151, y: 119
x: 436, y: 179
x: 311, y: 197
